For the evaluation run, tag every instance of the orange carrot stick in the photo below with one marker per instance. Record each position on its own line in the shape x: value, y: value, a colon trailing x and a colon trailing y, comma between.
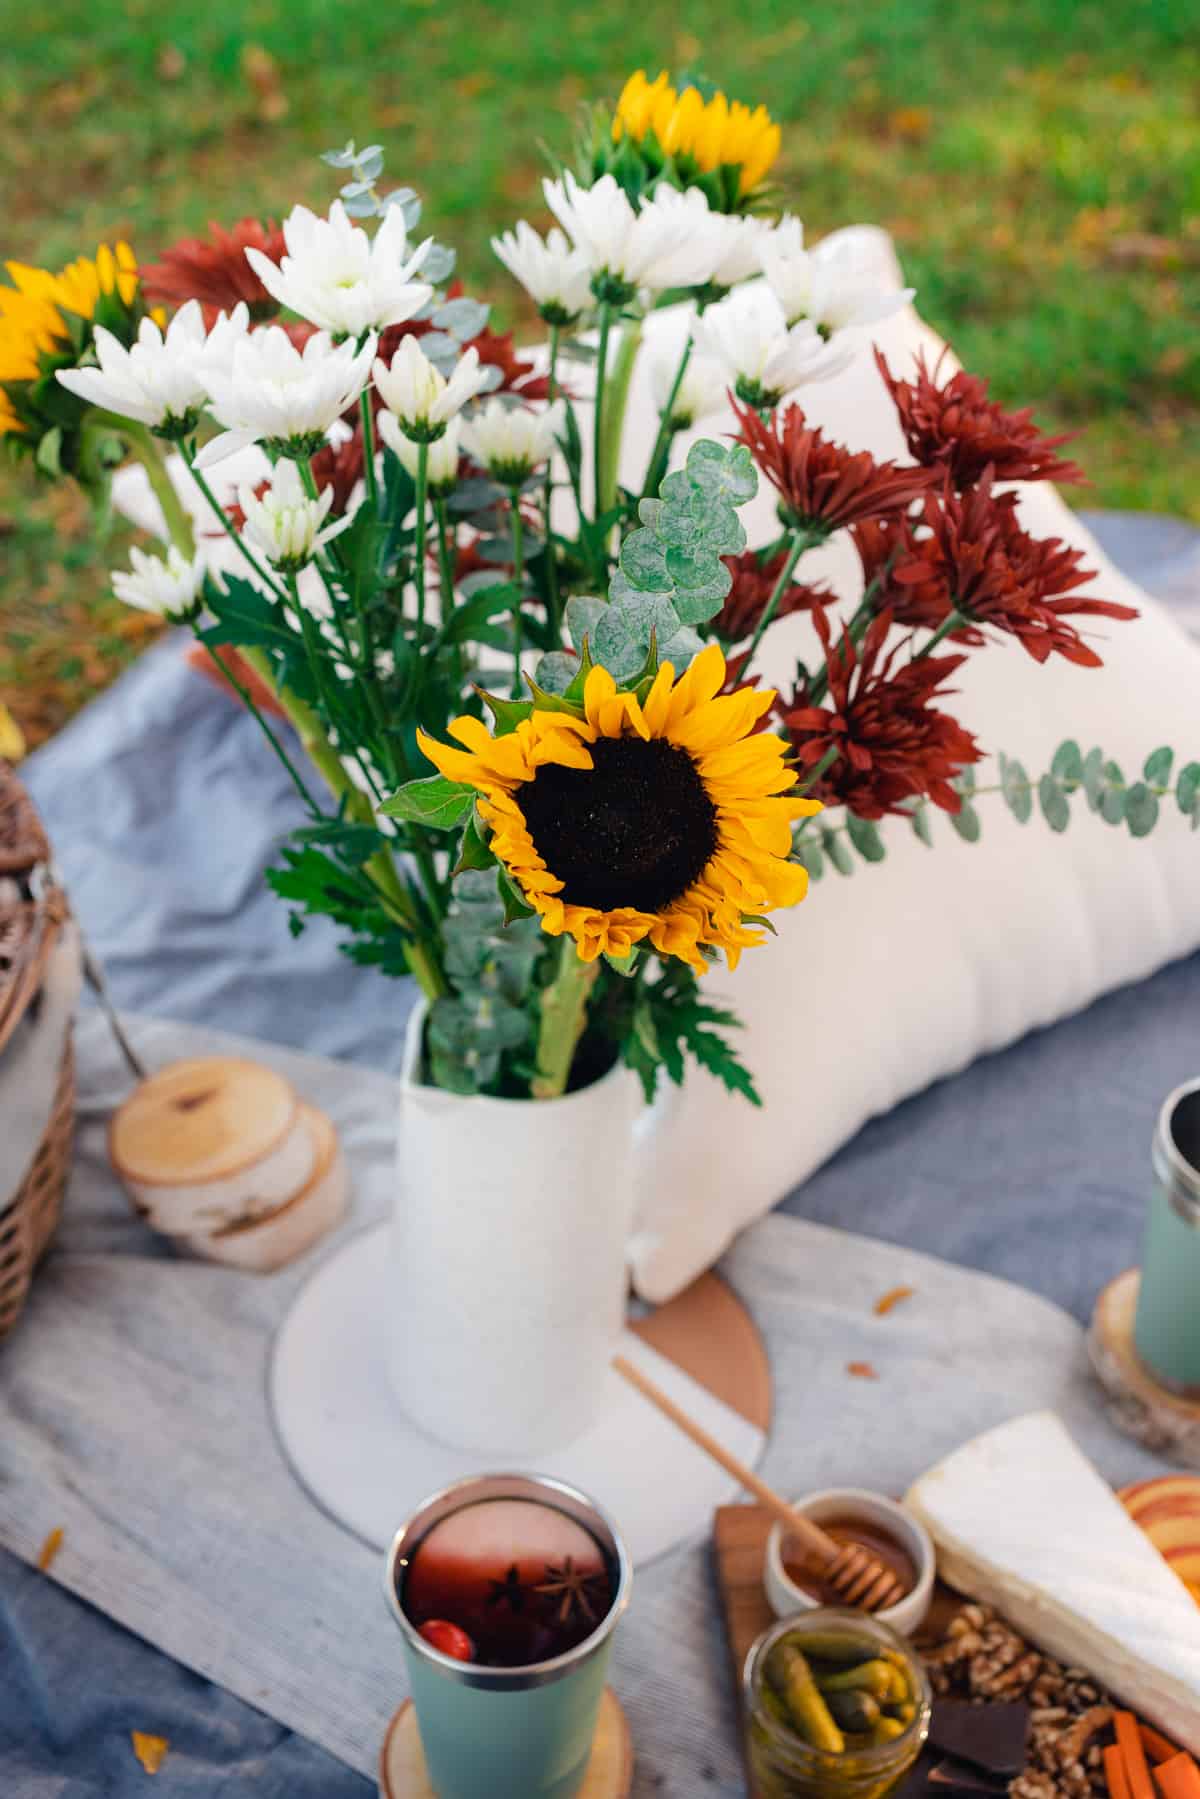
x: 1133, y: 1755
x: 1114, y: 1774
x: 1179, y: 1778
x: 1156, y: 1746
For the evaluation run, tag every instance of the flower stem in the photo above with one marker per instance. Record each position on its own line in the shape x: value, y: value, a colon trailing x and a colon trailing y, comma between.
x: 446, y: 576
x: 422, y: 479
x: 605, y: 320
x: 368, y: 433
x: 801, y: 540
x: 814, y: 774
x: 616, y: 400
x: 248, y: 701
x: 953, y: 621
x: 564, y: 1015
x: 518, y: 536
x: 179, y: 525
x: 660, y: 454
x: 555, y: 603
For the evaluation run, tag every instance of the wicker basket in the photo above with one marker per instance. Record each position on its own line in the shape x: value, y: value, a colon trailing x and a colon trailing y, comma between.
x: 33, y: 910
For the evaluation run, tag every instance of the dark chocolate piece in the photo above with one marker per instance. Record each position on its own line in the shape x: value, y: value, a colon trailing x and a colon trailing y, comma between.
x: 951, y: 1772
x: 915, y: 1784
x: 992, y: 1737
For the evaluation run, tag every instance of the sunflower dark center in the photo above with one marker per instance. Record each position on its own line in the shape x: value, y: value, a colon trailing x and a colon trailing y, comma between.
x: 634, y: 830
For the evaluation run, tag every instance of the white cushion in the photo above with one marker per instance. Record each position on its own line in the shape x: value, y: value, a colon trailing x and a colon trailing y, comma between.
x: 909, y: 969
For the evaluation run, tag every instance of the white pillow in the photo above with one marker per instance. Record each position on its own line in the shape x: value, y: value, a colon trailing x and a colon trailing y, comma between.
x: 909, y: 969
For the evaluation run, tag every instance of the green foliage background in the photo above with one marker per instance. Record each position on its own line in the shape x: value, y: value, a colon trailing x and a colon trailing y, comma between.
x: 1036, y: 160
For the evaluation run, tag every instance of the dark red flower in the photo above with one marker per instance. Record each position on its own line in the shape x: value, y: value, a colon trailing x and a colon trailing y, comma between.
x: 821, y: 484
x: 994, y: 573
x: 921, y: 600
x: 754, y: 581
x: 214, y: 270
x: 956, y: 429
x: 892, y: 745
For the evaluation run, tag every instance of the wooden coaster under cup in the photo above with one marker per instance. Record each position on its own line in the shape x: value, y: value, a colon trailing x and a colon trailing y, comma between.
x: 402, y: 1772
x: 1167, y: 1423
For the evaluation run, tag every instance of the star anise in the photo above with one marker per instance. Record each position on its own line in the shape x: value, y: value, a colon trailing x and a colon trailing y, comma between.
x: 567, y: 1589
x: 510, y: 1591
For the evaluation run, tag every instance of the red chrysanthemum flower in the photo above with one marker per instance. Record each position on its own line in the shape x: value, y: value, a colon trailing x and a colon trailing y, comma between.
x: 954, y: 428
x: 994, y: 573
x: 754, y: 581
x: 214, y: 270
x: 821, y: 484
x: 892, y: 745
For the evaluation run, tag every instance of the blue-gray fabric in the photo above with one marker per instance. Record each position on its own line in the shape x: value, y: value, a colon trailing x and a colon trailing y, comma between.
x: 165, y: 807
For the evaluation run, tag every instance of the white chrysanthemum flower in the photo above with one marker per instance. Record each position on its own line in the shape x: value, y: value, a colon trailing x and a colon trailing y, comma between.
x: 337, y: 277
x: 551, y: 272
x: 511, y: 441
x: 167, y: 586
x: 441, y: 464
x: 285, y: 523
x: 420, y: 395
x: 271, y: 393
x: 701, y: 391
x: 158, y: 381
x: 831, y: 285
x: 229, y: 328
x: 740, y: 235
x: 670, y: 242
x: 763, y: 359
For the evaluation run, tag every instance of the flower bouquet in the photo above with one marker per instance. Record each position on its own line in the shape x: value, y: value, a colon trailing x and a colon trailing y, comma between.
x: 539, y: 769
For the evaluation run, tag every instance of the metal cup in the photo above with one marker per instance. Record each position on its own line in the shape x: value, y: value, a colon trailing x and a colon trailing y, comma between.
x: 507, y: 1733
x: 1167, y: 1327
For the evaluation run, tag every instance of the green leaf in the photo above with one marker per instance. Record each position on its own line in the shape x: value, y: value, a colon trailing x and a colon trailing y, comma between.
x: 1187, y: 789
x: 964, y: 780
x: 1158, y: 766
x: 712, y: 1052
x: 919, y: 818
x: 248, y: 618
x: 515, y: 904
x: 473, y: 851
x: 1093, y: 778
x: 1112, y: 797
x: 864, y: 835
x: 1068, y: 762
x: 966, y: 822
x: 436, y: 802
x: 1056, y: 809
x: 1141, y: 810
x: 1016, y: 790
x: 625, y: 966
x: 49, y: 452
x: 465, y: 620
x: 808, y: 853
x: 507, y: 714
x: 836, y: 850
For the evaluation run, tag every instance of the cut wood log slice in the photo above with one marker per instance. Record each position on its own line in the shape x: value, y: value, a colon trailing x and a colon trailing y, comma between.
x: 204, y: 1142
x: 609, y: 1775
x: 1166, y: 1423
x: 260, y: 1242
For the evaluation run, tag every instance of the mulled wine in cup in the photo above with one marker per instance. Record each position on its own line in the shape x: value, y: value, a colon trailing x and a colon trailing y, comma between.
x: 507, y: 1589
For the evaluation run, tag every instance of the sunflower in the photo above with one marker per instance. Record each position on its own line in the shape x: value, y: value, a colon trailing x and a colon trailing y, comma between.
x: 45, y: 324
x: 700, y: 135
x: 666, y: 819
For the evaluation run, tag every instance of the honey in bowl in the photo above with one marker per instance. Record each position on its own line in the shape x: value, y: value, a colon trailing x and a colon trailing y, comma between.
x: 848, y: 1529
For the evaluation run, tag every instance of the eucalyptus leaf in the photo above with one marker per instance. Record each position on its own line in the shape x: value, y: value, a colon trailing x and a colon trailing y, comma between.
x: 836, y: 851
x: 808, y: 853
x: 1112, y: 798
x: 1187, y: 789
x: 462, y: 318
x: 1052, y: 798
x: 1158, y: 766
x: 919, y: 818
x: 1093, y: 778
x: 1067, y: 764
x: 556, y: 671
x: 1141, y: 810
x: 864, y: 835
x: 967, y: 823
x: 1016, y: 790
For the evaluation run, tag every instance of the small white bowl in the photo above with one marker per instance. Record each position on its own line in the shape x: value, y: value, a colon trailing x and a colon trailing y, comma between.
x: 786, y: 1598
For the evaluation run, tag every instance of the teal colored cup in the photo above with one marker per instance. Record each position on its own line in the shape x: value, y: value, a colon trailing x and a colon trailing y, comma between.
x: 507, y: 1733
x: 1167, y: 1326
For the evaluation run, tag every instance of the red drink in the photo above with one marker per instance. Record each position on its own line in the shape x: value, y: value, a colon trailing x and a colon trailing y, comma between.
x: 523, y: 1580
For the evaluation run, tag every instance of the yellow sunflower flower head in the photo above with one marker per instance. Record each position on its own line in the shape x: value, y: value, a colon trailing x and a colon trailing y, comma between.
x: 697, y: 137
x: 47, y: 319
x: 664, y: 821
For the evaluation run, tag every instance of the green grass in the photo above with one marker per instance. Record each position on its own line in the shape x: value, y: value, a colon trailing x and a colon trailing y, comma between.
x: 1036, y: 161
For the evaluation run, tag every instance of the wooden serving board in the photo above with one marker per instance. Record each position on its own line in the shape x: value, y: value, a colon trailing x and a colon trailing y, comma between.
x: 740, y: 1535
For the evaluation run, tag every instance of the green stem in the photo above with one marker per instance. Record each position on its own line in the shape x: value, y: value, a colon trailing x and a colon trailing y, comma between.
x: 145, y: 447
x: 801, y: 540
x: 446, y: 578
x: 555, y: 603
x: 368, y: 433
x: 863, y: 615
x: 953, y: 621
x: 248, y: 701
x: 422, y: 479
x: 604, y: 316
x: 616, y: 399
x: 563, y: 1017
x: 518, y: 536
x: 814, y: 774
x: 661, y: 452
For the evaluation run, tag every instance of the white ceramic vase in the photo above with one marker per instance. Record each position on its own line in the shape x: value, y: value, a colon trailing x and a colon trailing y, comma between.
x: 509, y: 1237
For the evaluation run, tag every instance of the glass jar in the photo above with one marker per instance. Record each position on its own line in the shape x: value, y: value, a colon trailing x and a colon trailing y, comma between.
x: 784, y: 1765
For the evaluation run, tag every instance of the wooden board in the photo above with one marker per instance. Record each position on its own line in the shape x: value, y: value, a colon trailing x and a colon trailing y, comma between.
x: 402, y: 1772
x: 740, y: 1535
x: 1166, y: 1423
x: 707, y: 1331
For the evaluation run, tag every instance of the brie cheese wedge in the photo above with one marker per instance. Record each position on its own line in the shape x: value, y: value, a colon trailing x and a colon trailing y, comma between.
x: 1023, y: 1521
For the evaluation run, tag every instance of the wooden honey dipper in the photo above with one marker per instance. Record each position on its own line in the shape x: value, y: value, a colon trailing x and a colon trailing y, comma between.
x: 858, y: 1577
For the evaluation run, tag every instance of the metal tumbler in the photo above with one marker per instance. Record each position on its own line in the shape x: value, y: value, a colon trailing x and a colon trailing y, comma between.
x: 507, y: 1733
x: 1167, y: 1326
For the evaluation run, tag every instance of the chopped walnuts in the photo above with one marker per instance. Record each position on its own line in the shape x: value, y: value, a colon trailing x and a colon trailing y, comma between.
x: 983, y: 1658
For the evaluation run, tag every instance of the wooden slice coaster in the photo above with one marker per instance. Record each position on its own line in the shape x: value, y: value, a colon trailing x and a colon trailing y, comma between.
x: 262, y: 1241
x: 402, y: 1772
x: 1165, y: 1422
